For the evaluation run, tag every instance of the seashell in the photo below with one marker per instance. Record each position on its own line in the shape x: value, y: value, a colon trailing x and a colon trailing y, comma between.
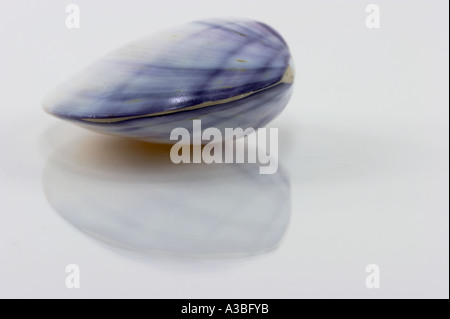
x: 226, y: 72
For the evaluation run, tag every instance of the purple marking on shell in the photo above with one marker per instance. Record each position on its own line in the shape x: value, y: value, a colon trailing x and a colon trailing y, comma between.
x: 228, y: 72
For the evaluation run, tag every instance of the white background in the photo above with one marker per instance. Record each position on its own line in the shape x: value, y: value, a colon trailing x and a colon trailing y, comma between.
x: 364, y: 141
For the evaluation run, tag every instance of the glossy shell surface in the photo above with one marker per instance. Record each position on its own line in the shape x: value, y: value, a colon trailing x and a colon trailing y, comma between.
x: 226, y: 72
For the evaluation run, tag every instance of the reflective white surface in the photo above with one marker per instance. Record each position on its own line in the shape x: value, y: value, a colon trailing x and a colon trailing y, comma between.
x: 129, y: 194
x: 363, y: 164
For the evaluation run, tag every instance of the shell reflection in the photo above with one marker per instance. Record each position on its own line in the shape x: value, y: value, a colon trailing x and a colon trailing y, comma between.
x: 129, y: 194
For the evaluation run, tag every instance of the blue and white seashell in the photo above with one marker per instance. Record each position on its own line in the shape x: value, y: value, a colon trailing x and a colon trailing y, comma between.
x: 226, y: 72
